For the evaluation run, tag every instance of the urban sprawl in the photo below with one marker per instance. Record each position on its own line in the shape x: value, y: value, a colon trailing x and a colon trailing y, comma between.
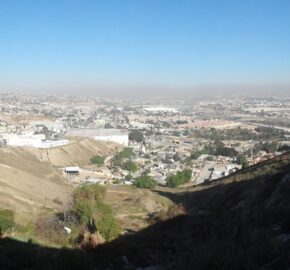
x: 158, y: 139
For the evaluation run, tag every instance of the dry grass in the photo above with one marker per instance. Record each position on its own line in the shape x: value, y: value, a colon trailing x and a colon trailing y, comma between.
x: 78, y: 152
x: 133, y: 206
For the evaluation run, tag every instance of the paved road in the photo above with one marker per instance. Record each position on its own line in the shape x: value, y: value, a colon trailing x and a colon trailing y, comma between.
x: 205, y: 172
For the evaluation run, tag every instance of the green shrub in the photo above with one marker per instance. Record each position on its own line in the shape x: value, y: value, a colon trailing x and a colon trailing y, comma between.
x: 98, y: 160
x: 130, y: 166
x: 242, y: 160
x: 6, y: 220
x: 93, y: 212
x: 84, y: 211
x: 108, y: 226
x: 126, y: 153
x: 90, y: 192
x: 145, y: 181
x: 180, y: 178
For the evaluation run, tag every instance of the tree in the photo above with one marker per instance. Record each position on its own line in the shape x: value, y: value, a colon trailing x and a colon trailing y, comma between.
x: 226, y: 151
x: 136, y: 135
x: 145, y: 181
x: 108, y: 226
x: 130, y: 166
x: 180, y: 178
x: 242, y: 160
x: 98, y: 160
x: 126, y: 153
x: 6, y: 220
x: 92, y: 212
x: 270, y: 147
x: 84, y: 211
x: 128, y: 177
x: 195, y: 155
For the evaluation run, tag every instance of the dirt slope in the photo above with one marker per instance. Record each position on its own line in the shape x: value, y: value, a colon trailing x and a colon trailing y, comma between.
x: 28, y: 185
x: 27, y: 194
x: 133, y: 206
x: 237, y: 223
x: 76, y: 153
x: 30, y: 181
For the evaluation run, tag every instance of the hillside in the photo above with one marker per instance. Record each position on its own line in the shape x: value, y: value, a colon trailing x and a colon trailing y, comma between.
x: 27, y: 186
x: 78, y: 152
x: 239, y: 222
x: 29, y: 181
x: 132, y: 206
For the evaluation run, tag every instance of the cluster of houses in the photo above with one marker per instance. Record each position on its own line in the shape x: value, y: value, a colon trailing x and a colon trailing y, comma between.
x: 46, y: 122
x: 48, y: 134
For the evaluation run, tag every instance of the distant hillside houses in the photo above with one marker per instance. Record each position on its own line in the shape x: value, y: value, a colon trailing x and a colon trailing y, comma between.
x: 119, y: 136
x: 36, y: 140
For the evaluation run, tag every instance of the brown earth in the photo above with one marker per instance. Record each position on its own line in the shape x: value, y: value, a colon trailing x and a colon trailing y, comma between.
x: 133, y: 207
x: 30, y: 182
x: 77, y: 153
x: 27, y: 186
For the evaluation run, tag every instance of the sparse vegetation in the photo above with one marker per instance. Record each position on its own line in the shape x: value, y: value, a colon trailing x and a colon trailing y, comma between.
x: 130, y: 166
x: 7, y: 221
x: 207, y: 230
x: 216, y: 149
x: 241, y: 134
x: 98, y: 160
x: 126, y: 153
x: 172, y: 212
x: 180, y: 178
x: 48, y: 229
x: 92, y: 212
x: 242, y: 160
x: 145, y: 181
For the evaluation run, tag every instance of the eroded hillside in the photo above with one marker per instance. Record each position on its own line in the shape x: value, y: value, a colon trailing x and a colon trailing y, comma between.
x: 78, y: 152
x: 239, y: 222
x: 30, y: 182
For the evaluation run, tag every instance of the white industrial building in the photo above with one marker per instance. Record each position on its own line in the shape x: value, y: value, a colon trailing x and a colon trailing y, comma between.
x: 35, y: 140
x: 101, y: 134
x: 56, y: 126
x: 160, y: 109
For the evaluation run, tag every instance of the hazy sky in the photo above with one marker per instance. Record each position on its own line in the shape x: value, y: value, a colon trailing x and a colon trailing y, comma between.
x: 150, y: 46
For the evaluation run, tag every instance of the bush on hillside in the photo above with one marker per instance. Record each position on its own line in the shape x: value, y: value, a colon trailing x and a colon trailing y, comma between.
x: 108, y: 226
x: 242, y: 160
x: 84, y: 211
x: 180, y: 178
x: 49, y: 230
x: 6, y: 220
x: 98, y: 160
x: 130, y: 166
x: 90, y: 192
x: 145, y: 181
x: 93, y: 212
x: 126, y: 153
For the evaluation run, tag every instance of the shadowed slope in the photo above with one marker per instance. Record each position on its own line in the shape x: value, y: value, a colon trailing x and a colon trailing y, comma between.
x: 228, y: 225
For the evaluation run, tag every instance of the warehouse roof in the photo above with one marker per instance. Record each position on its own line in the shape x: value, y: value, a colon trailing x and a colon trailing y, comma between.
x: 94, y: 132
